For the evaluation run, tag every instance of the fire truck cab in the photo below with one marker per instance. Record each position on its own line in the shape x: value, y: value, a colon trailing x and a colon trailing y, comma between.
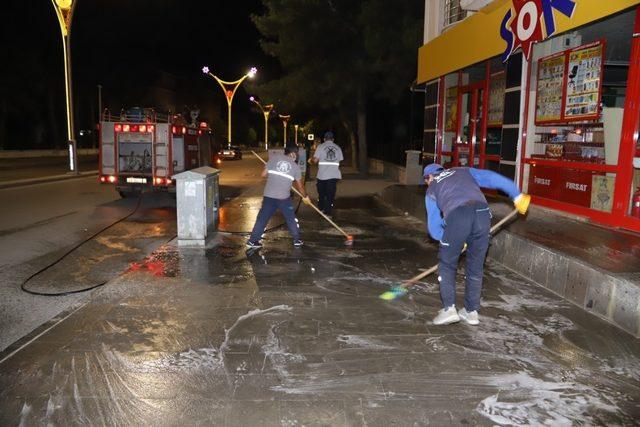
x: 143, y: 149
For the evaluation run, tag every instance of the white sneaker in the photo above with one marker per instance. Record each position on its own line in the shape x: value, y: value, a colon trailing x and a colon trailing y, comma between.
x: 469, y: 317
x: 447, y: 316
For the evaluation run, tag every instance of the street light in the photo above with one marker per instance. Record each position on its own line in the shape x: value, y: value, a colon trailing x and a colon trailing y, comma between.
x: 285, y: 119
x: 266, y: 110
x: 229, y: 89
x: 64, y: 10
x: 296, y: 136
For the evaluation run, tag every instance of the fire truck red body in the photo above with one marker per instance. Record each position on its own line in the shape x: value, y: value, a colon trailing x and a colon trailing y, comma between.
x: 143, y: 149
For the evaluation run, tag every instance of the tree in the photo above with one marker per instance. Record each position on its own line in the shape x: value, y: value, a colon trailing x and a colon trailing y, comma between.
x: 337, y: 55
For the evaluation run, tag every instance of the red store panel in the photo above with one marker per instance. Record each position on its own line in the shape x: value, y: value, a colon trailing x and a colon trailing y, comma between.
x: 575, y: 187
x: 544, y: 181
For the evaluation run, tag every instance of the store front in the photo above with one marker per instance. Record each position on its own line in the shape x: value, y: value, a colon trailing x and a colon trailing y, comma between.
x: 558, y: 113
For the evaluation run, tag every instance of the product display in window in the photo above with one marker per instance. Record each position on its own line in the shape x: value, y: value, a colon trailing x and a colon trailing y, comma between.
x: 452, y: 109
x: 572, y: 143
x: 550, y: 88
x: 569, y: 85
x: 583, y: 82
x: 496, y: 99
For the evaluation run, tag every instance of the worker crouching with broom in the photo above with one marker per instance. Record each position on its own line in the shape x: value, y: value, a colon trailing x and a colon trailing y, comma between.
x: 281, y: 172
x: 458, y: 216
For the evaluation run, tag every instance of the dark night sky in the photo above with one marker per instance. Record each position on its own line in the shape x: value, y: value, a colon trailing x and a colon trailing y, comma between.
x: 122, y: 44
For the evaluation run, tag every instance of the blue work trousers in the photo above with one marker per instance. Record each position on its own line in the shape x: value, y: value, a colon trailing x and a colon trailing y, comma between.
x: 470, y: 224
x: 269, y: 207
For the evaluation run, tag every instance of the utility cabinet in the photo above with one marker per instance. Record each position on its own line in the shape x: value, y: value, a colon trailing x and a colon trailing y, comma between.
x: 198, y: 204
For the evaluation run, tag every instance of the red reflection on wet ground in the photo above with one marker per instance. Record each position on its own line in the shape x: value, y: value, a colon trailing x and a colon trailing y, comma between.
x: 162, y: 263
x: 156, y: 268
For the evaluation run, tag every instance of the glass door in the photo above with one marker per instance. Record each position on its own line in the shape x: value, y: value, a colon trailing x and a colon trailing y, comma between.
x: 470, y: 126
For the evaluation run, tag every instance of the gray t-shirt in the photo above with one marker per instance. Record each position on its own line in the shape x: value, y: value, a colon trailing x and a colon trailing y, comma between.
x: 281, y: 172
x: 329, y: 156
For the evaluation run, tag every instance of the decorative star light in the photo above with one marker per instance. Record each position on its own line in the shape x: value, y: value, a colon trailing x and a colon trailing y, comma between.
x: 205, y: 69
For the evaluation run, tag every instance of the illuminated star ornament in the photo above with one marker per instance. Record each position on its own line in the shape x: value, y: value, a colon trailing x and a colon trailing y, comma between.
x: 531, y: 21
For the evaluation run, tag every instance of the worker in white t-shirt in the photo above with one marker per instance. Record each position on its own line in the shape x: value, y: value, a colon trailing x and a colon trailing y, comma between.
x: 328, y: 156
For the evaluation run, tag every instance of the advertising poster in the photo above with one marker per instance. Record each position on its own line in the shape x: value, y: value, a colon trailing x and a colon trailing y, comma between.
x: 602, y: 188
x: 550, y: 88
x: 451, y: 109
x: 496, y: 99
x: 584, y: 82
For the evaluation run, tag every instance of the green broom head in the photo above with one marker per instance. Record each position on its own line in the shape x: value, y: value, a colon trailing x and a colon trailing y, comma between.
x: 393, y: 293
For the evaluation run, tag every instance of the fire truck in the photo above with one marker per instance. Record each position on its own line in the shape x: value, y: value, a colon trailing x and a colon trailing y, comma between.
x: 142, y: 149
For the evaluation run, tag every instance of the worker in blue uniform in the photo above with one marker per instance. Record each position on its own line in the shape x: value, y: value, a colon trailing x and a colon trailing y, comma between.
x: 458, y: 216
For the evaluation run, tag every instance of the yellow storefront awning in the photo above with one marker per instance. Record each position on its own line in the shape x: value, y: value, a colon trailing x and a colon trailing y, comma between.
x: 477, y: 38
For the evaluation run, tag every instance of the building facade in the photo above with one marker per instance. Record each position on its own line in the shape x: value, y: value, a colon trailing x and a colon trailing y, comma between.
x: 545, y: 92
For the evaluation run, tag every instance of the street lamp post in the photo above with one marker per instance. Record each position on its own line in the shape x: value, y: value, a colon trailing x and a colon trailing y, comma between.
x: 229, y: 89
x: 296, y: 136
x: 64, y: 10
x: 266, y: 110
x: 285, y: 120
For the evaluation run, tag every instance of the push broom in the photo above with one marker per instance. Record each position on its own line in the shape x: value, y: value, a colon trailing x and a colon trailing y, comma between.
x: 349, y: 241
x: 401, y: 290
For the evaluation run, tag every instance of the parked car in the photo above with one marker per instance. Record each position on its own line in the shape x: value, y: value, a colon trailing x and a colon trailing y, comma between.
x: 231, y: 153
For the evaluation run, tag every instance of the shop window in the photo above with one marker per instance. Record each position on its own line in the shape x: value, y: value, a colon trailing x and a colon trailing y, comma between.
x: 474, y: 74
x: 431, y: 110
x: 578, y: 85
x: 450, y: 94
x: 492, y: 165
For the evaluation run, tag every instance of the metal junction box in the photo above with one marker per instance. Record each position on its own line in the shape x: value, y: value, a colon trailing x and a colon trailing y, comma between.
x: 198, y: 202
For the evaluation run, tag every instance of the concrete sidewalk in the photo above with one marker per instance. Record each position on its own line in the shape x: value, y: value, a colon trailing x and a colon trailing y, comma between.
x: 15, y: 172
x: 42, y: 179
x: 594, y: 267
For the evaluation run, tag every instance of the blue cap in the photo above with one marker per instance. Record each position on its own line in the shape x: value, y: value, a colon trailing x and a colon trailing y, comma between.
x: 432, y: 169
x: 328, y: 135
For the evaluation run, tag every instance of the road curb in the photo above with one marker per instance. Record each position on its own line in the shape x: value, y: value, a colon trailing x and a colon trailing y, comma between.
x: 51, y: 178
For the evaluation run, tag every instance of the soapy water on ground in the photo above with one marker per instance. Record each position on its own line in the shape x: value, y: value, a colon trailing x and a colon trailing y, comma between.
x: 357, y: 341
x: 527, y: 401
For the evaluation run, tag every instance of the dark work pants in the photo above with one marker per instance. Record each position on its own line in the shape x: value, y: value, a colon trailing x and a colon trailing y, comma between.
x: 326, y: 194
x: 468, y: 224
x: 269, y: 207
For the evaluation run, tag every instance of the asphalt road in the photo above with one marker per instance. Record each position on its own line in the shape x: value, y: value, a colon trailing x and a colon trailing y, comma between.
x: 38, y: 223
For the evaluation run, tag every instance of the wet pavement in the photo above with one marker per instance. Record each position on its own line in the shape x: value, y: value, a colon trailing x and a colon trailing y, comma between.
x: 290, y: 336
x: 613, y: 250
x: 150, y: 222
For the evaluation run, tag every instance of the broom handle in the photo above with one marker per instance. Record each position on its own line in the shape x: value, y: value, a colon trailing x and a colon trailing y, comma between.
x: 425, y: 273
x: 310, y: 204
